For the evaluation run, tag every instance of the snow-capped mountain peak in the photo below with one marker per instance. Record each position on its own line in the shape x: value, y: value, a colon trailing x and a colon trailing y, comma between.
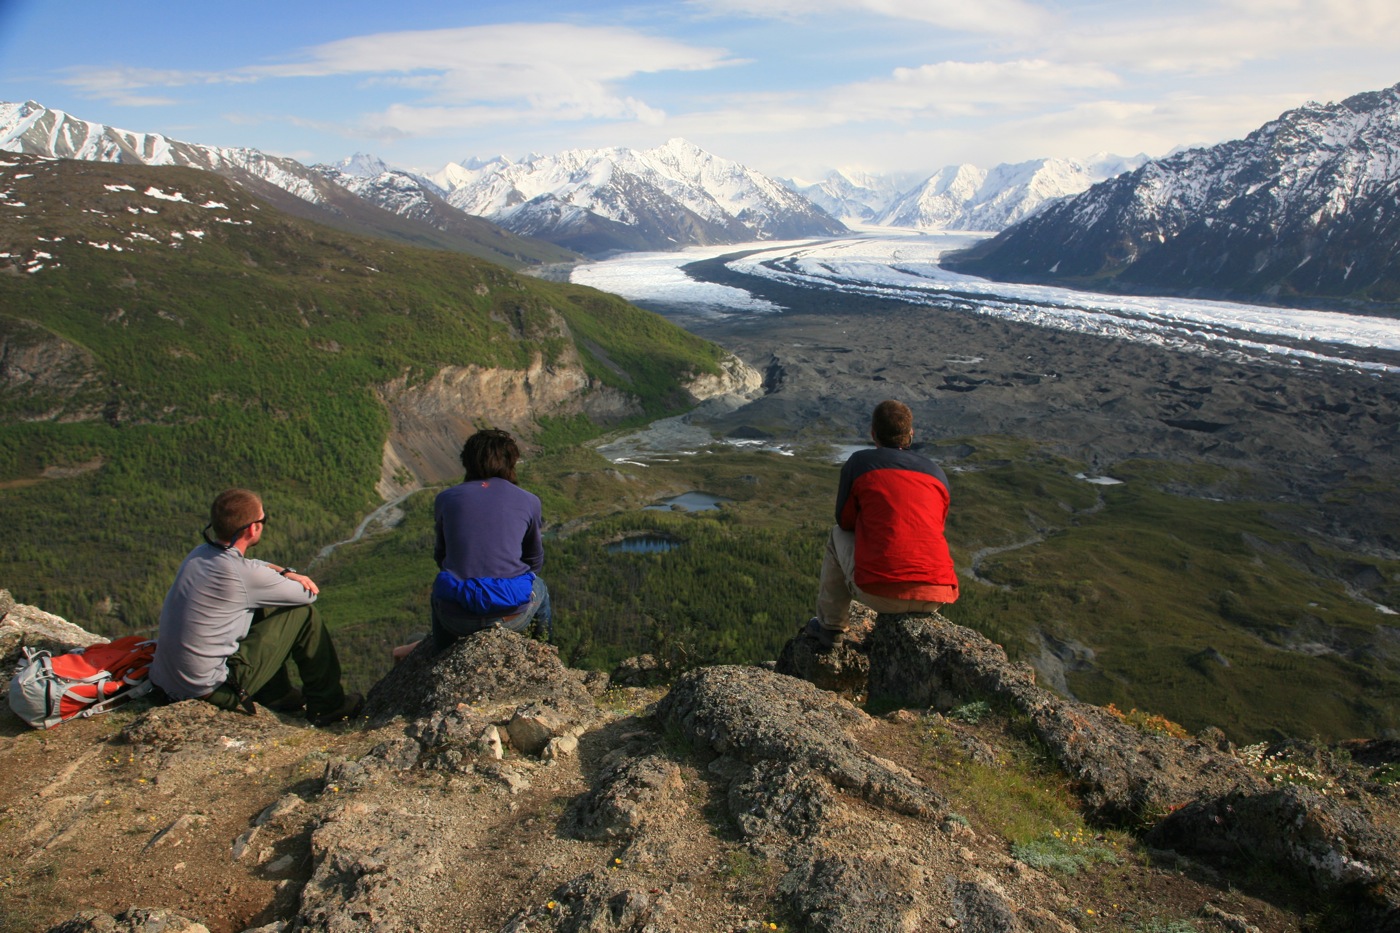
x: 361, y: 165
x: 596, y: 200
x: 1305, y: 205
x: 959, y: 197
x: 38, y: 130
x: 965, y: 197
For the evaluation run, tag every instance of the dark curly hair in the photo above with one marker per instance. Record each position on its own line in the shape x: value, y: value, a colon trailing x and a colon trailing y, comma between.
x: 490, y: 453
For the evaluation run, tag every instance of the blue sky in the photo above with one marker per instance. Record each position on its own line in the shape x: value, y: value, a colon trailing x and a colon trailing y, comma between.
x: 789, y: 87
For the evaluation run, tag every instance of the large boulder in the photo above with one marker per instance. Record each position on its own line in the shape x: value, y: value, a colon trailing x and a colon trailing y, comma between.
x: 490, y: 665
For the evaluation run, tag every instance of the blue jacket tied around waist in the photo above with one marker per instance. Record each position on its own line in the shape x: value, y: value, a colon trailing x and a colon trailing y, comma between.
x: 484, y: 596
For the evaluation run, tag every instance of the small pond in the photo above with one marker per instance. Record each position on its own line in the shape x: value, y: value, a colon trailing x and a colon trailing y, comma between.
x: 644, y: 544
x: 690, y: 502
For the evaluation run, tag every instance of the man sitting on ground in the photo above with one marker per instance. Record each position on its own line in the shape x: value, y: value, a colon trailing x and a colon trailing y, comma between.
x: 230, y: 623
x: 887, y: 549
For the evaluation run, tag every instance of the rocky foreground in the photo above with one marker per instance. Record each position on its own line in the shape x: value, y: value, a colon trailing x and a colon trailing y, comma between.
x: 491, y: 788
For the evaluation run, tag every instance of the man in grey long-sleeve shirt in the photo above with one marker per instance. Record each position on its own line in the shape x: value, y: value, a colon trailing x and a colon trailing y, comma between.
x: 231, y: 623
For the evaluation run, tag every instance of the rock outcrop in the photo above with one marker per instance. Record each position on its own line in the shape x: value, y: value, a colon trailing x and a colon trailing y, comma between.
x: 492, y: 788
x: 1193, y: 794
x: 429, y: 420
x: 24, y: 626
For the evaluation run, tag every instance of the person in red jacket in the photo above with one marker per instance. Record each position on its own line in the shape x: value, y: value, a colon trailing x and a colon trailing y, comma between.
x: 887, y: 549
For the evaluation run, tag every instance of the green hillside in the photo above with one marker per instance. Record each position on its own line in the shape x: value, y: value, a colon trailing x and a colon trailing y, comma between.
x: 165, y: 335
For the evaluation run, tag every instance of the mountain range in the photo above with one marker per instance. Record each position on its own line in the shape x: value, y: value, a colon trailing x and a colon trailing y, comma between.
x: 1305, y: 207
x: 592, y: 201
x: 517, y: 213
x: 599, y: 200
x: 32, y: 129
x: 961, y: 197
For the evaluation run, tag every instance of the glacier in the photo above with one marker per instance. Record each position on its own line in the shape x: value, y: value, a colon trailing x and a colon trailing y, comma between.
x: 903, y: 265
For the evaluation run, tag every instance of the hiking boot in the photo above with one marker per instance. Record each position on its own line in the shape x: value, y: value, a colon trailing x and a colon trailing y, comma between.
x: 348, y: 709
x: 291, y: 702
x: 826, y: 638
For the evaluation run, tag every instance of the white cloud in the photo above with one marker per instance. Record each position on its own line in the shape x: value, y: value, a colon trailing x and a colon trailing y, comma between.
x: 478, y: 62
x: 121, y: 86
x: 405, y: 120
x: 967, y: 88
x: 537, y: 70
x: 906, y: 96
x: 1224, y: 37
x: 991, y: 17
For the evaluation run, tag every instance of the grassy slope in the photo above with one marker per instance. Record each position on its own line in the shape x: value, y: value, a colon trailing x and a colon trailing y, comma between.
x: 246, y: 355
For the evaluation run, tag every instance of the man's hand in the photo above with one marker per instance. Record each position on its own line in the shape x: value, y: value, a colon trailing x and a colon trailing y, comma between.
x: 306, y: 582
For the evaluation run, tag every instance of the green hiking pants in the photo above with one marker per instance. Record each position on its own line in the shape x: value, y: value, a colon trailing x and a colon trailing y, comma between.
x: 259, y: 666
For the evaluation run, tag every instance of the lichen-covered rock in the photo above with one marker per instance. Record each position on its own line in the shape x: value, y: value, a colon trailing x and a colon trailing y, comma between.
x: 494, y: 664
x: 644, y: 670
x: 762, y: 717
x: 626, y: 796
x: 1125, y: 775
x: 133, y: 920
x: 1218, y: 805
x: 592, y: 903
x: 923, y: 660
x: 845, y: 894
x: 843, y: 669
x: 370, y: 862
x: 1321, y: 842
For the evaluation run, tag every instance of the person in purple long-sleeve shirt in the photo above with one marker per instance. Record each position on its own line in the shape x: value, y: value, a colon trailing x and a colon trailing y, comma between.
x: 488, y: 547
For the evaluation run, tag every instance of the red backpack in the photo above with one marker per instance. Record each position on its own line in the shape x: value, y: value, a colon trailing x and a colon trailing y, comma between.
x: 48, y: 690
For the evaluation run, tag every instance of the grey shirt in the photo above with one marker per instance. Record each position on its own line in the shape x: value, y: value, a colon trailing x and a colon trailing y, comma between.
x: 208, y: 611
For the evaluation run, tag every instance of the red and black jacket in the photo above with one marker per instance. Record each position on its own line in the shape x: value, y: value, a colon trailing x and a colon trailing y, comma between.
x: 896, y: 502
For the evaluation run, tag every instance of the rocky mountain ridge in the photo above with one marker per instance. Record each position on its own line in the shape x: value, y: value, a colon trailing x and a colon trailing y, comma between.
x: 961, y: 197
x: 964, y: 197
x: 1302, y: 208
x: 489, y: 787
x: 601, y: 200
x: 31, y: 129
x: 593, y: 201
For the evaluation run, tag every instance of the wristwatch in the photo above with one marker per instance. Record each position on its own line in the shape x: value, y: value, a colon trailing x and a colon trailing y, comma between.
x: 286, y: 570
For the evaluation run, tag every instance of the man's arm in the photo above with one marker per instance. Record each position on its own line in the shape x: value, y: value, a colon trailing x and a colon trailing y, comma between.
x: 287, y: 573
x: 270, y: 585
